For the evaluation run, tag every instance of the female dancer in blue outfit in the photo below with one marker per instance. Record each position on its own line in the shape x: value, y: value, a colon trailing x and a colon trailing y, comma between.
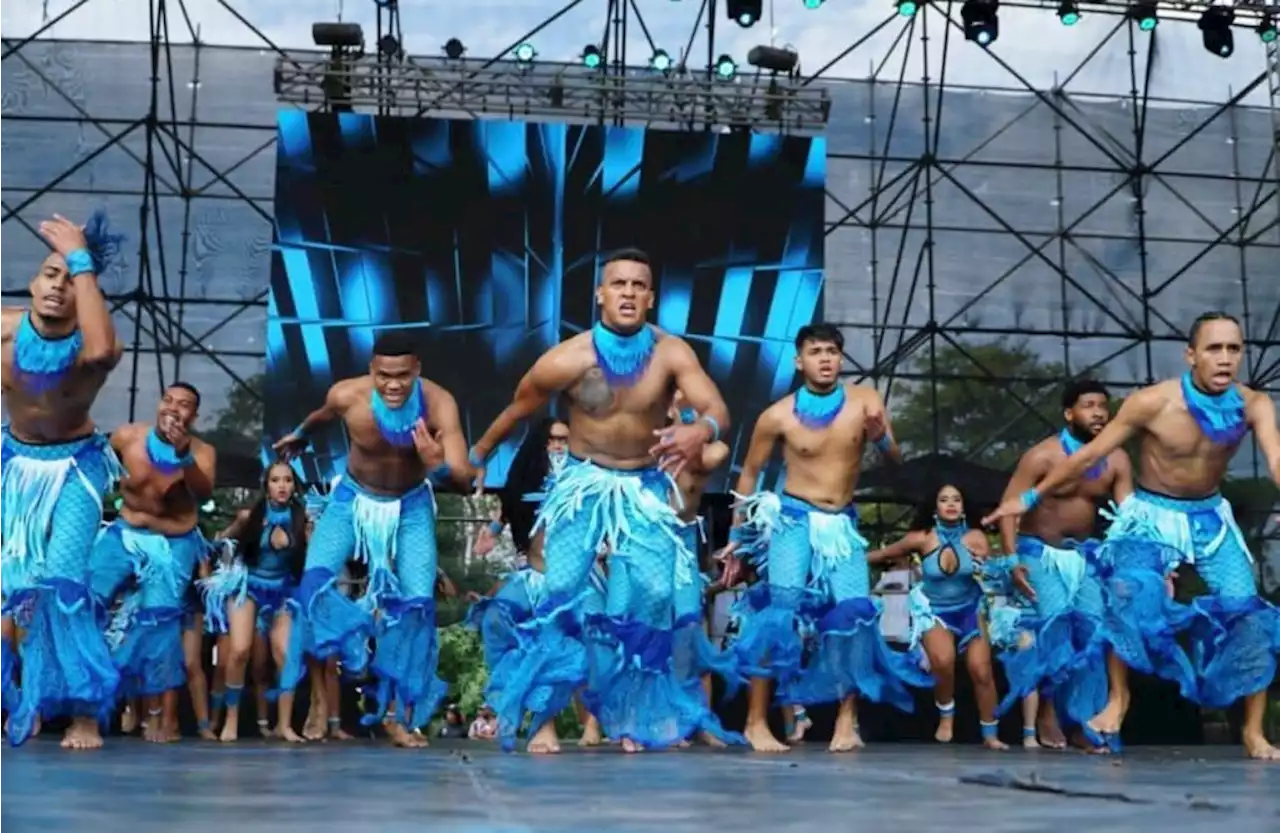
x: 245, y: 596
x: 947, y: 607
x: 56, y: 357
x: 513, y: 600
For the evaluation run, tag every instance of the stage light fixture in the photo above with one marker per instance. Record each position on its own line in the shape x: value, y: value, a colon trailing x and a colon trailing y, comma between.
x: 660, y: 61
x: 338, y: 35
x: 726, y: 69
x: 906, y: 8
x: 744, y: 12
x: 773, y: 59
x: 1267, y: 28
x: 1145, y: 15
x: 389, y: 48
x: 453, y: 49
x: 1215, y: 30
x: 591, y: 57
x: 981, y: 21
x: 1068, y: 13
x: 525, y: 53
x: 813, y: 4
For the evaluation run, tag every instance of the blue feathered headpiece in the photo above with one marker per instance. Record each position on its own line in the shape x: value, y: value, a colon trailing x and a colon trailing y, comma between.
x: 103, y: 244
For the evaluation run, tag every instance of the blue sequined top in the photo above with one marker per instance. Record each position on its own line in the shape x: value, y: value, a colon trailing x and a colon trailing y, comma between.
x: 955, y: 590
x: 274, y: 564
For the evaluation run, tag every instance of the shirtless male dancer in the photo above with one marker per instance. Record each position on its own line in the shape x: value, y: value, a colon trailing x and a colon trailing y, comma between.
x: 55, y: 357
x: 806, y: 545
x: 1189, y: 429
x: 156, y: 539
x: 405, y: 434
x: 1050, y: 545
x: 619, y: 377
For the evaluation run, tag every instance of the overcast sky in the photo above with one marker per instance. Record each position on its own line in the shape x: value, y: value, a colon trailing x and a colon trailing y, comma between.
x: 1032, y: 42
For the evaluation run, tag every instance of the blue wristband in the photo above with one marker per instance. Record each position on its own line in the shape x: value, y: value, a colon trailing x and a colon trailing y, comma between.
x: 79, y: 262
x: 715, y: 427
x: 476, y: 461
x: 440, y: 473
x: 884, y: 443
x: 495, y: 527
x: 1030, y: 500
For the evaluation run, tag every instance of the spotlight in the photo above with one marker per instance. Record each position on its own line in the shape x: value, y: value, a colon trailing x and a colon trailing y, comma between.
x: 525, y: 53
x: 338, y: 35
x: 725, y: 68
x: 453, y: 49
x: 906, y: 8
x: 813, y: 4
x: 981, y: 21
x: 1215, y: 30
x: 660, y: 61
x: 1267, y: 28
x: 591, y: 57
x: 1144, y: 14
x: 772, y: 58
x: 1068, y: 13
x: 389, y: 48
x: 744, y: 12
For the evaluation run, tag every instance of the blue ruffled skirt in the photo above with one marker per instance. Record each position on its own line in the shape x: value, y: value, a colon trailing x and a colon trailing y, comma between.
x: 150, y: 656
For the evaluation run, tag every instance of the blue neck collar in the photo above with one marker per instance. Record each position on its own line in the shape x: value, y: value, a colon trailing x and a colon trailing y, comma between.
x: 1071, y: 444
x: 396, y: 424
x: 818, y: 410
x: 41, y: 363
x: 623, y: 358
x: 164, y: 456
x: 1220, y: 417
x: 277, y: 516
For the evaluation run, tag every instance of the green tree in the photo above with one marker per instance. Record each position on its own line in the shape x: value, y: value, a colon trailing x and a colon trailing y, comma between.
x: 238, y: 425
x: 979, y: 414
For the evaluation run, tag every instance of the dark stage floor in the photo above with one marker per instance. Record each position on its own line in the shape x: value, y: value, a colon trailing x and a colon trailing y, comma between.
x: 206, y: 788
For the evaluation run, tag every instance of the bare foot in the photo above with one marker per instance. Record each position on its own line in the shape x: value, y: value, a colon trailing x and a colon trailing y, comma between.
x: 338, y: 733
x: 153, y: 730
x: 846, y: 742
x: 128, y: 721
x: 264, y: 729
x: 1051, y: 734
x: 312, y: 733
x: 995, y: 743
x: 631, y: 747
x: 402, y: 737
x: 684, y: 744
x: 946, y: 729
x: 802, y: 726
x: 762, y: 740
x: 230, y: 732
x: 82, y: 734
x: 710, y: 740
x: 591, y: 734
x: 1257, y: 747
x: 172, y: 736
x: 544, y: 741
x: 313, y: 729
x: 1029, y: 740
x: 207, y: 733
x: 286, y: 733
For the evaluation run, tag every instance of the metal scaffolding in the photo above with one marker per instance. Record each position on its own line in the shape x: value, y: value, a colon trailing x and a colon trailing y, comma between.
x: 1086, y: 226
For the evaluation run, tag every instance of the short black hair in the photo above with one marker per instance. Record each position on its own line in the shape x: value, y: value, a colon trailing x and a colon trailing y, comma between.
x: 394, y: 343
x: 1077, y: 388
x: 820, y: 332
x: 1205, y: 318
x: 190, y: 388
x: 631, y: 253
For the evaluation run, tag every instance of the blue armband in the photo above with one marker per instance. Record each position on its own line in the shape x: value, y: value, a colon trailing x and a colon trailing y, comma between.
x: 300, y: 431
x: 79, y: 262
x: 884, y: 444
x: 715, y: 427
x: 1030, y: 500
x: 476, y: 461
x: 495, y: 527
x: 441, y: 473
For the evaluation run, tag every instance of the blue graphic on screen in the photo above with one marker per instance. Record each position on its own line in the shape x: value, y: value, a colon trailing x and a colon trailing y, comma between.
x: 485, y: 238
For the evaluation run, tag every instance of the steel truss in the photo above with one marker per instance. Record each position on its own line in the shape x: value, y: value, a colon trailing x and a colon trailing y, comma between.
x: 899, y: 273
x: 898, y: 316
